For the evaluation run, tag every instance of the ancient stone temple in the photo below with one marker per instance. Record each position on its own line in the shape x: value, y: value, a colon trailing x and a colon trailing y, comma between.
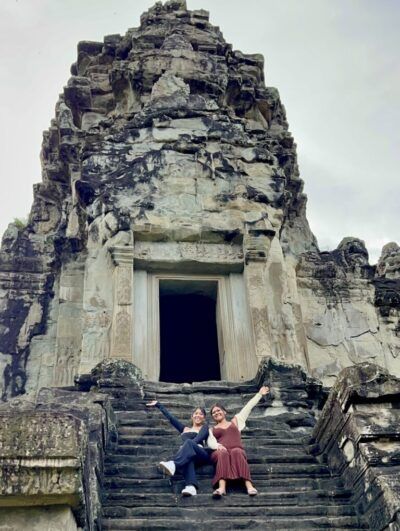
x: 168, y: 242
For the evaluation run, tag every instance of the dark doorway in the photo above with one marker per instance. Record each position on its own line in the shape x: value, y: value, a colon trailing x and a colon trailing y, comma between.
x: 188, y: 331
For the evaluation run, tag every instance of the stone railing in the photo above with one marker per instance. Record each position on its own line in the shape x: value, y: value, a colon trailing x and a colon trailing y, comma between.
x: 358, y: 433
x: 52, y: 452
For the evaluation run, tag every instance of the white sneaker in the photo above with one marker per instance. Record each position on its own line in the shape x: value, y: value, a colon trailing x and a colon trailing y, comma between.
x: 168, y: 467
x: 189, y: 490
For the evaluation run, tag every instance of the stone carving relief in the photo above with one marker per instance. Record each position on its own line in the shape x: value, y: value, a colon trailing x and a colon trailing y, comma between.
x: 186, y: 251
x: 122, y: 324
x: 122, y: 344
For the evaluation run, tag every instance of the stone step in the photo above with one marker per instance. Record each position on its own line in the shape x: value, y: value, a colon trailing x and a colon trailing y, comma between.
x: 167, y: 431
x: 186, y: 409
x: 220, y: 510
x: 263, y: 471
x: 261, y: 524
x: 129, y: 498
x: 281, y: 484
x: 272, y: 428
x: 260, y: 455
x: 173, y: 440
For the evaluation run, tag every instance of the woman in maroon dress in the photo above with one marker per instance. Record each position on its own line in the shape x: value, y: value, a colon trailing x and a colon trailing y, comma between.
x: 228, y: 455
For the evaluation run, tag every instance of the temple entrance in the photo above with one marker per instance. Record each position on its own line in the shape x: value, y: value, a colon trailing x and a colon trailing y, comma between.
x: 188, y: 331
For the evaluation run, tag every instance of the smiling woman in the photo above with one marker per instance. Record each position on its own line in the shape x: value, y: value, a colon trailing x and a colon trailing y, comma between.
x: 191, y: 452
x: 229, y: 455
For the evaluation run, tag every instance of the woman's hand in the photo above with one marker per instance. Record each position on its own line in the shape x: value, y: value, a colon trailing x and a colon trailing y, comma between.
x: 152, y: 403
x: 221, y: 447
x: 264, y: 390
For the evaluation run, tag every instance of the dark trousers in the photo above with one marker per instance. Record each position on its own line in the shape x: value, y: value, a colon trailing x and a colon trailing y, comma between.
x: 188, y: 456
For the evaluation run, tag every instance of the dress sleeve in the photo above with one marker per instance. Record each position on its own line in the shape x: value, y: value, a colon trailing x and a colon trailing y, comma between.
x: 173, y: 420
x: 241, y: 417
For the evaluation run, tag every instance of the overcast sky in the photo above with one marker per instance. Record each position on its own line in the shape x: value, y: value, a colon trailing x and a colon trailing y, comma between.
x: 335, y: 63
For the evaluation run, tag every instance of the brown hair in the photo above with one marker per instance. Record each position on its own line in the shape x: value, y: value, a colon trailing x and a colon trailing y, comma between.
x: 217, y: 405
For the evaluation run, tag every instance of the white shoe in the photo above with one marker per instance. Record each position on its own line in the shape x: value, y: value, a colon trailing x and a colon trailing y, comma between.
x: 189, y: 490
x: 168, y: 467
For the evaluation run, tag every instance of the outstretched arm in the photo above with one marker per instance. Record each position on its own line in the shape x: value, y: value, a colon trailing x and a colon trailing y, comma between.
x: 177, y: 424
x: 241, y: 417
x: 202, y: 435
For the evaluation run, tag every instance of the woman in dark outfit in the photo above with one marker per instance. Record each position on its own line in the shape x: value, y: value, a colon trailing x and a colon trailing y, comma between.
x: 191, y: 452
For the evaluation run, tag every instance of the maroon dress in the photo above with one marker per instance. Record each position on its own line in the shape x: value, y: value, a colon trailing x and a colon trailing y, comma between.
x: 232, y: 462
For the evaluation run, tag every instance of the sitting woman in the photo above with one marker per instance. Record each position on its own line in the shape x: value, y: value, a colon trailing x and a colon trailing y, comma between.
x: 229, y: 455
x: 192, y: 451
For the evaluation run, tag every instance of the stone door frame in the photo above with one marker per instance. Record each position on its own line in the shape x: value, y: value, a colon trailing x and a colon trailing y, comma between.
x: 238, y: 360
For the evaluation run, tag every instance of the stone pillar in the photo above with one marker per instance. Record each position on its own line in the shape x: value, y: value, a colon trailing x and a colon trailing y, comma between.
x: 122, y: 323
x: 256, y: 245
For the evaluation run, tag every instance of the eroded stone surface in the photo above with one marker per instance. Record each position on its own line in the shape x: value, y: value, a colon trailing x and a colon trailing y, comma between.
x: 168, y: 152
x: 51, y: 454
x: 358, y: 432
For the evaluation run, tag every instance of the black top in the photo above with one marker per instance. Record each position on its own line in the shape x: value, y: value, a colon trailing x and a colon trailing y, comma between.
x: 198, y: 438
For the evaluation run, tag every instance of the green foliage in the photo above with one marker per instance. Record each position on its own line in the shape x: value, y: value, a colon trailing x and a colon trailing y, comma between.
x: 20, y: 223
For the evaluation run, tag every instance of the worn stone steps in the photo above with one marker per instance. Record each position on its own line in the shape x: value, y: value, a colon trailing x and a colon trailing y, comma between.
x: 272, y: 428
x: 263, y: 471
x: 219, y: 511
x: 135, y: 454
x: 296, y: 490
x: 285, y: 484
x: 131, y: 498
x: 261, y: 524
x: 264, y: 441
x: 127, y: 432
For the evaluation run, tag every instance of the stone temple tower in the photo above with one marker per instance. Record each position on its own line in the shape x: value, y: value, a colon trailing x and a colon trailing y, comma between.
x: 169, y: 229
x: 168, y: 258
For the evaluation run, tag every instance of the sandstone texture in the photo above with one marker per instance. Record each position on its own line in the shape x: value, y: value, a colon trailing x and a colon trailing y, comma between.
x: 359, y: 434
x: 52, y: 448
x: 168, y: 153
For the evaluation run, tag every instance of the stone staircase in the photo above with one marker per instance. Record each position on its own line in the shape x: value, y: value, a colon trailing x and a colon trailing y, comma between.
x: 296, y: 490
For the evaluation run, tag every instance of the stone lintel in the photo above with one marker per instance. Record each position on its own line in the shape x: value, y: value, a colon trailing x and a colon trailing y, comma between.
x: 188, y: 257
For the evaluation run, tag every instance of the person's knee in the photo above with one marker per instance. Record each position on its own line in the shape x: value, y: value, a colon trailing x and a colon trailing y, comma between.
x: 238, y: 452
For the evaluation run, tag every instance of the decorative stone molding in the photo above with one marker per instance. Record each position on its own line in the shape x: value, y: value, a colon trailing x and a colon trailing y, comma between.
x: 204, y: 257
x: 358, y: 433
x: 48, y: 460
x: 122, y: 325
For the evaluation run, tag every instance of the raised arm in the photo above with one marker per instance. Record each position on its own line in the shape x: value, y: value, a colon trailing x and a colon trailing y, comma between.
x: 173, y: 420
x: 241, y: 417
